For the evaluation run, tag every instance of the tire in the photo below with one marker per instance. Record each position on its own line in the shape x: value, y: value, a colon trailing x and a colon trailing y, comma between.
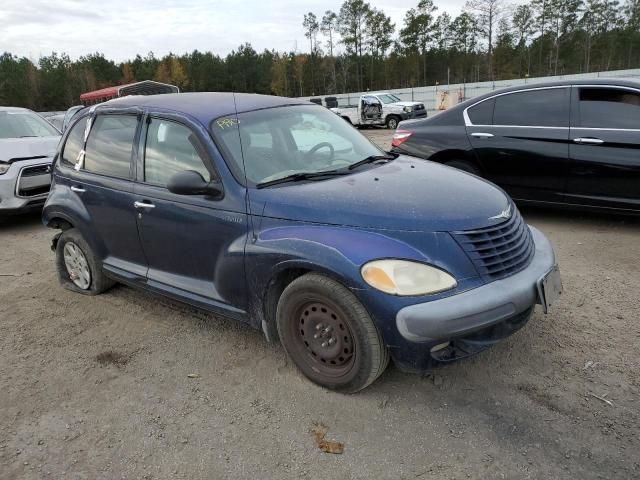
x: 392, y: 122
x: 70, y: 243
x: 348, y: 120
x: 464, y: 166
x: 329, y: 335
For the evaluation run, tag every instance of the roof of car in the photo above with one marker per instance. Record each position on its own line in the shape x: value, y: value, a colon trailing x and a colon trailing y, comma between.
x: 558, y: 83
x: 205, y: 106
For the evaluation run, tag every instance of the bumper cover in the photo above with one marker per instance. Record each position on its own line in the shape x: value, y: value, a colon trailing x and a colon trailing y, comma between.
x: 10, y: 202
x: 481, y: 307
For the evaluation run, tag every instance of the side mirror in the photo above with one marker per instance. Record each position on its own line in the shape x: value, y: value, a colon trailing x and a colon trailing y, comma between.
x: 190, y: 182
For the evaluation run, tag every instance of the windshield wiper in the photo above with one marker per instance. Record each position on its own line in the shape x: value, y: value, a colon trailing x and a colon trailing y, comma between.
x: 373, y: 159
x: 301, y: 176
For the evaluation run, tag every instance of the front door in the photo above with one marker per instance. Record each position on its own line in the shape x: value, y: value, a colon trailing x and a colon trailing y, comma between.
x: 194, y: 244
x: 605, y: 148
x: 102, y: 183
x: 521, y: 141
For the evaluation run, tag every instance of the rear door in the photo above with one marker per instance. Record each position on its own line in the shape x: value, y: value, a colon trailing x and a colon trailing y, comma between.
x: 605, y: 147
x: 100, y: 173
x: 194, y: 244
x: 521, y: 141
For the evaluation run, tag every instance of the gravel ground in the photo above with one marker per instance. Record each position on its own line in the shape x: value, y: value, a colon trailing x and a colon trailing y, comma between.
x: 128, y: 385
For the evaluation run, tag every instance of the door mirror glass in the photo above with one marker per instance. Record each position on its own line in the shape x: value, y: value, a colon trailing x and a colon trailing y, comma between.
x: 190, y: 182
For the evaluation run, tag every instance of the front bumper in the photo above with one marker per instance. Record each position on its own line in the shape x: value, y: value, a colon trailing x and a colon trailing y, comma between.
x: 413, y: 114
x: 20, y: 192
x: 480, y: 308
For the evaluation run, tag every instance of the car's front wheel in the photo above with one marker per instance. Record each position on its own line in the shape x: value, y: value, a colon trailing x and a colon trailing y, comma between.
x: 392, y: 122
x: 329, y: 335
x: 77, y: 267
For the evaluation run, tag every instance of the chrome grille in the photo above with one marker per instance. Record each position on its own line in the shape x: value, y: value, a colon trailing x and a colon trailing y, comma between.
x: 33, y: 181
x: 501, y: 250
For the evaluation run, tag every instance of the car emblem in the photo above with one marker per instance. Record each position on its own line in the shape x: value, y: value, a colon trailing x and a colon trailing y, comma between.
x: 504, y: 215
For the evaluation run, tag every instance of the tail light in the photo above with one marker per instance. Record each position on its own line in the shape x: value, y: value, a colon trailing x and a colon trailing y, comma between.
x: 400, y: 137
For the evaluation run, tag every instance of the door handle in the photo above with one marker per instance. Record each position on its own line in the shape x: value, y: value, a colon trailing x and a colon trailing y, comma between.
x: 78, y: 189
x: 143, y: 205
x: 482, y: 135
x: 588, y: 141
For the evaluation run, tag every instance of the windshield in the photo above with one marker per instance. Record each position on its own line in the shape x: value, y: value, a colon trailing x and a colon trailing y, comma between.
x: 21, y: 124
x: 278, y: 142
x: 388, y: 98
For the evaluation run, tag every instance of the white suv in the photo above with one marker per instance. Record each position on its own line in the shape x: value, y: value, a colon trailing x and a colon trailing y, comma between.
x: 27, y: 145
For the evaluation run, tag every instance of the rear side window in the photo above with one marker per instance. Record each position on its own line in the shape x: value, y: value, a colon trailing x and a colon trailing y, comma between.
x: 171, y: 148
x: 609, y: 108
x: 482, y: 114
x: 536, y: 108
x: 74, y: 144
x: 110, y: 145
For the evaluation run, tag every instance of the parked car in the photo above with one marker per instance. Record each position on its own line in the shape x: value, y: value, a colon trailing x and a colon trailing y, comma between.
x: 56, y: 120
x: 571, y: 143
x: 69, y: 114
x: 394, y: 110
x: 27, y: 145
x: 367, y: 113
x: 275, y: 212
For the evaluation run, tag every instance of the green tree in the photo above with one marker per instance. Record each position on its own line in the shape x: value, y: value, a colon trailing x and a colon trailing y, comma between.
x: 352, y: 21
x: 418, y: 31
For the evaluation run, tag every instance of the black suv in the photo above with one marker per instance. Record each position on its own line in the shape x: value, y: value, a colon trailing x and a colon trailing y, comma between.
x: 574, y: 143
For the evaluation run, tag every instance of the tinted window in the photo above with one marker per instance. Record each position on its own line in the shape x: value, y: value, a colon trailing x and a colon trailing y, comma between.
x: 538, y: 108
x: 482, y: 114
x: 171, y: 148
x: 75, y: 142
x: 110, y: 145
x: 609, y: 108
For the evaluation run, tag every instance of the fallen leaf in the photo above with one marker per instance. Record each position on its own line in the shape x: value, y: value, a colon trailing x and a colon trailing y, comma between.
x: 193, y: 375
x: 326, y: 446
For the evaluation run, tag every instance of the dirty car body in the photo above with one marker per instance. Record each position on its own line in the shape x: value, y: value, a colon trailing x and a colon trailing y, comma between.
x: 258, y: 225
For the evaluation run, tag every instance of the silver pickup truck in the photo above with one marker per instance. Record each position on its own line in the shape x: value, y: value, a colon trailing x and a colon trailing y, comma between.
x: 392, y: 110
x: 27, y: 145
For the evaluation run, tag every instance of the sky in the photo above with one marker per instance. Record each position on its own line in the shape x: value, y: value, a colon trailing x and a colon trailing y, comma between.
x: 122, y: 28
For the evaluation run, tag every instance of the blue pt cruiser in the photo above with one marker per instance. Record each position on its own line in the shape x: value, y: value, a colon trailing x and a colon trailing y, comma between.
x: 276, y: 213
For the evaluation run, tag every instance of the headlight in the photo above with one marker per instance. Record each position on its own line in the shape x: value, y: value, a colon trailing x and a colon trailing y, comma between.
x: 406, y: 278
x: 4, y: 167
x: 407, y: 109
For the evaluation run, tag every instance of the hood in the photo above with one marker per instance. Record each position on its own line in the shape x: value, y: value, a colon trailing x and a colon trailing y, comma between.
x: 12, y: 149
x: 407, y: 194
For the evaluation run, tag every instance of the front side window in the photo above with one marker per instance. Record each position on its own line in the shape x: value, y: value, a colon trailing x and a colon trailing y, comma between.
x: 24, y: 124
x: 535, y: 108
x: 110, y: 145
x: 171, y: 148
x: 609, y: 108
x: 273, y: 143
x: 74, y: 143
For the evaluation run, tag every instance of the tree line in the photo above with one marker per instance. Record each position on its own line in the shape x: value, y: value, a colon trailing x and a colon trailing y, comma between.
x: 359, y: 48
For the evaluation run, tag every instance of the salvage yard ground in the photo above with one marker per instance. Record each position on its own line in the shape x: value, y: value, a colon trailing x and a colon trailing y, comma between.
x: 128, y: 385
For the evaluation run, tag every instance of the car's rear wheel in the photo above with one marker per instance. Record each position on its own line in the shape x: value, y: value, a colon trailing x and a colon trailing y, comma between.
x: 77, y: 267
x: 329, y: 335
x: 464, y: 166
x: 392, y: 122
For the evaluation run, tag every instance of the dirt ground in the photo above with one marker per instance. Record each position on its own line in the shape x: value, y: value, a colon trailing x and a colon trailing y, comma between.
x: 128, y: 385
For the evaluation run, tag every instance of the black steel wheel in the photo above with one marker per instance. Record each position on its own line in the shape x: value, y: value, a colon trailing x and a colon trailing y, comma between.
x: 329, y: 335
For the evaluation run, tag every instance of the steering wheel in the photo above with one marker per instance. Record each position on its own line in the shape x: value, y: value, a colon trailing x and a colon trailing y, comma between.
x: 319, y: 146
